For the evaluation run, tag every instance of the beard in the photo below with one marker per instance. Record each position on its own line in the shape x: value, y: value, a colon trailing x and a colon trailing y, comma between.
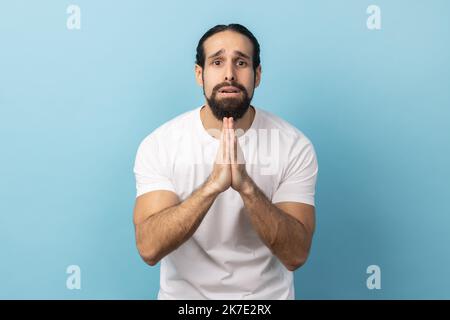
x: 234, y: 107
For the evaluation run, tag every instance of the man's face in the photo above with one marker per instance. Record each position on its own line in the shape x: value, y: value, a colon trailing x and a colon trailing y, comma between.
x: 228, y: 78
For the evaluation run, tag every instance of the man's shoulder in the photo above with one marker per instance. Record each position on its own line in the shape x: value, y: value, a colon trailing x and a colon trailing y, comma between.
x: 174, y: 127
x: 286, y: 129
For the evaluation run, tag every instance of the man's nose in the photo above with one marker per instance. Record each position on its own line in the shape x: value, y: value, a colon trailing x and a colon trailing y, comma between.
x: 230, y: 74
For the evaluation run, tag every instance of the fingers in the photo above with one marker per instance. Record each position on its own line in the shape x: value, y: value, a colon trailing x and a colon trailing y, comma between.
x: 232, y: 141
x: 227, y: 141
x: 221, y: 152
x: 224, y: 154
x: 228, y: 150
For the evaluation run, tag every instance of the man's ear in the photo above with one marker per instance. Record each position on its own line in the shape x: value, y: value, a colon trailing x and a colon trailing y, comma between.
x: 199, y: 75
x: 258, y: 76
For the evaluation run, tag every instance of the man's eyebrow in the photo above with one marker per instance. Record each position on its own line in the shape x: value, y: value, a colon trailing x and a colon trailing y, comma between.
x: 237, y: 52
x: 218, y: 53
x: 241, y: 54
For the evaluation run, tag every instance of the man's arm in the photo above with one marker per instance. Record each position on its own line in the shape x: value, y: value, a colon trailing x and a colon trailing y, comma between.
x: 286, y: 228
x: 159, y: 233
x: 162, y: 223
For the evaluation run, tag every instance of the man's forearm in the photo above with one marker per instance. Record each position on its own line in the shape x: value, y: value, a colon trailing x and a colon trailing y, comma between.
x: 284, y: 235
x: 166, y: 230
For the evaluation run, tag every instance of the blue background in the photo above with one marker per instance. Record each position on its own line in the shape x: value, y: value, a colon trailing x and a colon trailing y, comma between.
x: 74, y: 106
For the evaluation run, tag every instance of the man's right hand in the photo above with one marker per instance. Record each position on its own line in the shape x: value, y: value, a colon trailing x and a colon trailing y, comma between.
x: 220, y: 177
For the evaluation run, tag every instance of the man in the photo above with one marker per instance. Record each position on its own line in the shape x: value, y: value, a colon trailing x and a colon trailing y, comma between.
x: 224, y: 225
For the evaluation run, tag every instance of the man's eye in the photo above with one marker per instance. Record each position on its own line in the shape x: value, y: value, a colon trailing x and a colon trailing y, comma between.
x: 242, y: 63
x: 216, y: 62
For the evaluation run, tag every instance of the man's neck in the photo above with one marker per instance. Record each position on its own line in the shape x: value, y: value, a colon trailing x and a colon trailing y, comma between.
x: 209, y: 121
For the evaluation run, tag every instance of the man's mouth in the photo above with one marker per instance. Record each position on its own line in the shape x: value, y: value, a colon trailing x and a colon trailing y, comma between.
x: 229, y: 90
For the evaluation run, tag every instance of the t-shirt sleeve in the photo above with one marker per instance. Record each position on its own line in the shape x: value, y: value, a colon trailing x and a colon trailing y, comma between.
x: 298, y: 181
x: 151, y: 169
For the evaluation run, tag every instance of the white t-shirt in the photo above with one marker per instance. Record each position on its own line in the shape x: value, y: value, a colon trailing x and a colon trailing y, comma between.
x: 225, y: 258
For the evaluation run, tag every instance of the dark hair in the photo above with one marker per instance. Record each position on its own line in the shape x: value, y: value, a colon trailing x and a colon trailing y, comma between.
x: 200, y: 56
